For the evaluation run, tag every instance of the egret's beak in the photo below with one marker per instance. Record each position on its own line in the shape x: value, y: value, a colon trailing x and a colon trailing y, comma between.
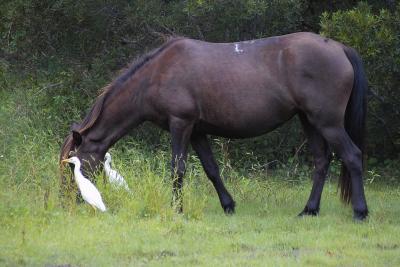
x: 65, y: 161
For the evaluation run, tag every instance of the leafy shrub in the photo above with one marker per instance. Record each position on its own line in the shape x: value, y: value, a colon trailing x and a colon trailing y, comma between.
x: 63, y: 52
x: 377, y: 38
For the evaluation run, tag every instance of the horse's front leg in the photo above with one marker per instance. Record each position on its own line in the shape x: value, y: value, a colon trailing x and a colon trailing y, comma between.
x: 202, y: 147
x: 181, y: 131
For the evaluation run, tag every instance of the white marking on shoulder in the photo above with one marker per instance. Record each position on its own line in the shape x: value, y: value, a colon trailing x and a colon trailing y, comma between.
x: 237, y: 49
x: 249, y: 42
x: 280, y: 59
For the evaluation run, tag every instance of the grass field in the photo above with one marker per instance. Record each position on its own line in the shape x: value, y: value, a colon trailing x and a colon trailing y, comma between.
x: 141, y: 229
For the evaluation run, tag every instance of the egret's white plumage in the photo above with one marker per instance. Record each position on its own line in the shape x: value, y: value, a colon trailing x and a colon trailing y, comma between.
x: 88, y: 191
x: 114, y: 177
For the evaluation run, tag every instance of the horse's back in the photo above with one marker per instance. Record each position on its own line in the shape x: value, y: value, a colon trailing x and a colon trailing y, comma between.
x: 251, y: 87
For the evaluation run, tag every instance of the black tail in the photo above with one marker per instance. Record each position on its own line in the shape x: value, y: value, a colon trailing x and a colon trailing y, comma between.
x: 355, y: 116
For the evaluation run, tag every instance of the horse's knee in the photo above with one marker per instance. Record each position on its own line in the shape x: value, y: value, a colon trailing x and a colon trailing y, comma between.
x: 353, y: 161
x: 321, y: 166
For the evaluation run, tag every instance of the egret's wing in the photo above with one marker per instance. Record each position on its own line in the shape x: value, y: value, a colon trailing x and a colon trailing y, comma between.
x: 119, y: 178
x: 90, y: 194
x: 121, y: 181
x: 116, y: 178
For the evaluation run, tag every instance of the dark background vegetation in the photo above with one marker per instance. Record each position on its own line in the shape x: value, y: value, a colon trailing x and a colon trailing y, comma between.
x: 58, y: 54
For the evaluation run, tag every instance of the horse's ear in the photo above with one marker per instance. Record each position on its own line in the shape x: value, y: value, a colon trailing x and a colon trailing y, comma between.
x: 77, y: 138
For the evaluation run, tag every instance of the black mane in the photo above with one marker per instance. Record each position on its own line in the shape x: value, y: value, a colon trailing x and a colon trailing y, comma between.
x: 97, y: 108
x: 137, y: 64
x: 95, y: 112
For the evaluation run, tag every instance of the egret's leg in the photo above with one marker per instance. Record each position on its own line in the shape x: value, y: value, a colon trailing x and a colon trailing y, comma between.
x: 94, y: 209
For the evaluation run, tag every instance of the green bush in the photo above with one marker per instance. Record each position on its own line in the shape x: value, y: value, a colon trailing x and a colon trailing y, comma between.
x: 89, y: 28
x: 74, y: 49
x: 58, y: 54
x: 377, y: 38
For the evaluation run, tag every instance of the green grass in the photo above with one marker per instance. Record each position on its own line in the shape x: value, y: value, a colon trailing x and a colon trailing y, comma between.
x: 141, y: 229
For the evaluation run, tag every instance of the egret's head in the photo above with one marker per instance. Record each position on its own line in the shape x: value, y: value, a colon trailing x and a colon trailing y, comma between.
x: 107, y: 157
x: 72, y: 160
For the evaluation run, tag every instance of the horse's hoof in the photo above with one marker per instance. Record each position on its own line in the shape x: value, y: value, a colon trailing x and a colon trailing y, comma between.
x: 360, y: 215
x: 230, y: 208
x: 309, y: 212
x: 178, y: 209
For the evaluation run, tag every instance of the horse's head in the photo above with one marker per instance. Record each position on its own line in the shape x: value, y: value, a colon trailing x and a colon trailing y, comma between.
x: 90, y: 152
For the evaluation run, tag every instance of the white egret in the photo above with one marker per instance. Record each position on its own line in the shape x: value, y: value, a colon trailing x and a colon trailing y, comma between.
x: 88, y: 191
x: 114, y: 177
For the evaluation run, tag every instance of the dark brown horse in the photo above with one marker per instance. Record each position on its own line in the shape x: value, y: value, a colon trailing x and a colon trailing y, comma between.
x: 238, y: 90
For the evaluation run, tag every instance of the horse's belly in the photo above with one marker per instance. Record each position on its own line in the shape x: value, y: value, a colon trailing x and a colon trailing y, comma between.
x: 253, y: 113
x: 245, y: 125
x: 218, y: 130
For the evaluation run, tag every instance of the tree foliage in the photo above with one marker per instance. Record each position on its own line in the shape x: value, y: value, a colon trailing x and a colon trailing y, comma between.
x: 377, y: 38
x: 73, y: 48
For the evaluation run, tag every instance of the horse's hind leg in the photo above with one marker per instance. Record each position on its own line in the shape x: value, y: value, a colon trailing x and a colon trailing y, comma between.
x: 351, y: 156
x: 181, y: 131
x: 322, y: 157
x: 202, y: 147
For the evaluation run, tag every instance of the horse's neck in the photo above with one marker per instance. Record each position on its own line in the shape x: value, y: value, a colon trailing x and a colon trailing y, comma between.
x: 109, y: 127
